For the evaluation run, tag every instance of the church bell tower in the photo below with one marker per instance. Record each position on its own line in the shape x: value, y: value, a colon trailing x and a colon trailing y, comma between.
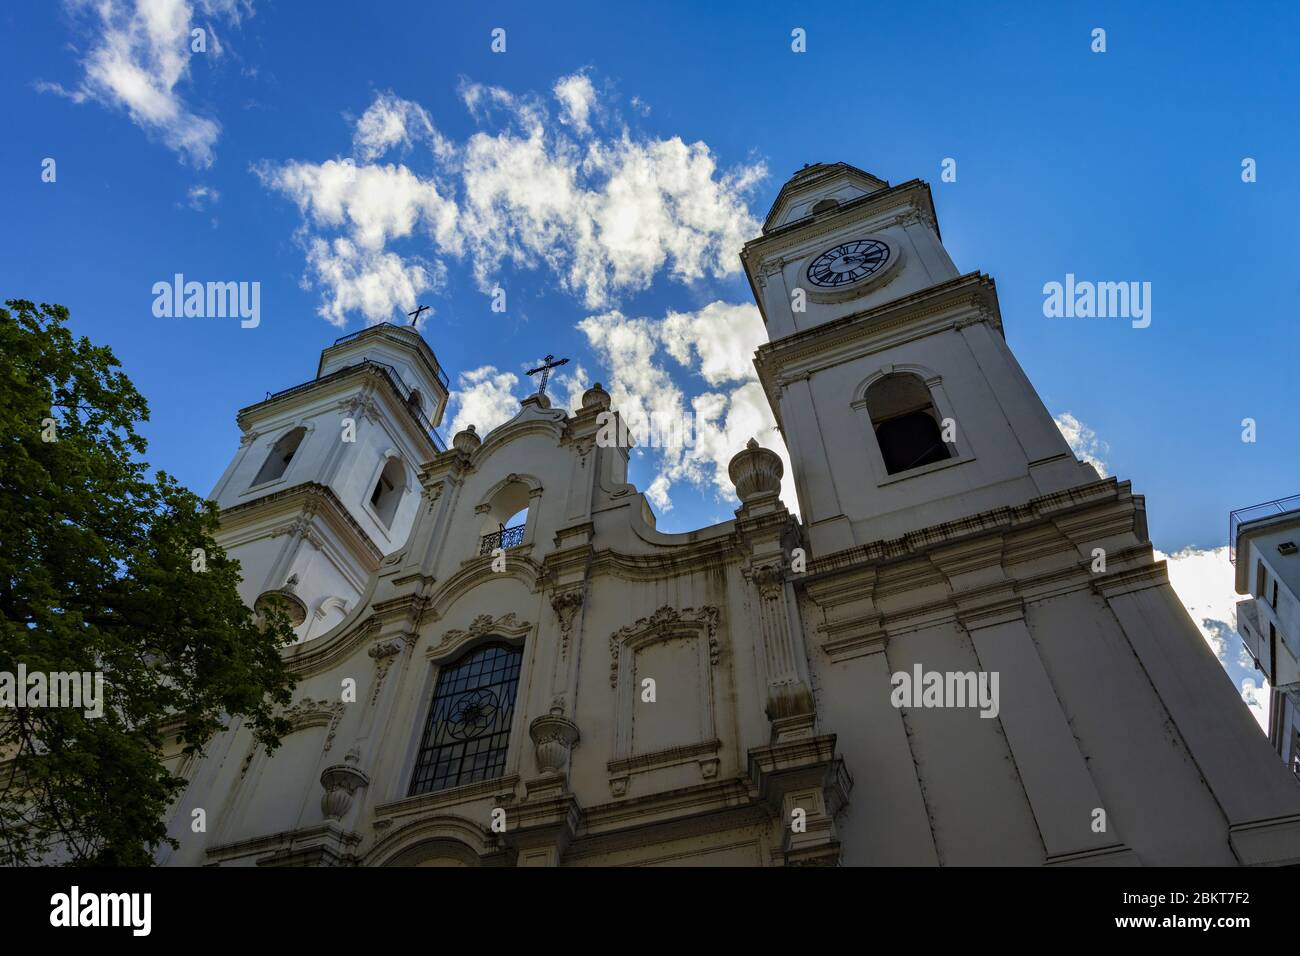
x: 325, y: 482
x: 952, y: 531
x: 898, y: 398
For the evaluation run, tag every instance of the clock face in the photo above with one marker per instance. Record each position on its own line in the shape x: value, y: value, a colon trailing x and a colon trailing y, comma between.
x: 848, y: 262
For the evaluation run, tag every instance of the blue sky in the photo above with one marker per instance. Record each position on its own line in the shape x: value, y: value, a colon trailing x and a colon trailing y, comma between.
x: 1123, y: 165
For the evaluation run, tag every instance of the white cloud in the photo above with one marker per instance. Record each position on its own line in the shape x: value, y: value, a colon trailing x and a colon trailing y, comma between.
x: 368, y: 281
x: 658, y: 493
x: 577, y: 97
x: 571, y: 386
x: 1204, y: 581
x: 392, y: 121
x: 1083, y: 441
x: 484, y: 398
x: 722, y: 335
x: 373, y: 204
x: 200, y: 196
x: 140, y: 55
x: 606, y: 216
x: 703, y: 432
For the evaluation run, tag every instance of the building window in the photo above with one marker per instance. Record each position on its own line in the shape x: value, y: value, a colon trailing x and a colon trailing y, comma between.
x: 1273, y: 602
x: 388, y: 491
x: 281, y: 454
x: 907, y: 426
x: 469, y: 720
x: 505, y: 518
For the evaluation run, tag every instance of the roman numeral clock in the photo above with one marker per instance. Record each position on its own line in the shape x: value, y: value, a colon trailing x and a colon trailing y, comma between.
x: 847, y: 263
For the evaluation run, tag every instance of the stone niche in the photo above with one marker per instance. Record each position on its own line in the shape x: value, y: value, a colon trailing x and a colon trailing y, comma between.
x: 675, y: 654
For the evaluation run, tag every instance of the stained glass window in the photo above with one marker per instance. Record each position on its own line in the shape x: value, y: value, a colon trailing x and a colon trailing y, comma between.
x: 468, y: 731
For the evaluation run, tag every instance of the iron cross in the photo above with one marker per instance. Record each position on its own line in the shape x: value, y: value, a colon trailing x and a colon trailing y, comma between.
x: 548, y: 363
x: 415, y: 316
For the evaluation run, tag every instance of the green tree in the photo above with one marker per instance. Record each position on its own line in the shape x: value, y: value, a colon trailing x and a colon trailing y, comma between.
x: 97, y: 574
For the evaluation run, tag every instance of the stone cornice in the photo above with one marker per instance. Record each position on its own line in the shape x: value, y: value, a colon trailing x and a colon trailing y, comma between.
x: 326, y: 838
x: 688, y: 808
x: 313, y: 497
x: 672, y: 757
x: 380, y: 382
x: 683, y: 559
x: 1128, y: 580
x: 969, y: 555
x: 988, y: 607
x: 962, y: 301
x: 400, y: 336
x: 502, y: 789
x: 814, y: 177
x: 997, y: 520
x: 914, y: 192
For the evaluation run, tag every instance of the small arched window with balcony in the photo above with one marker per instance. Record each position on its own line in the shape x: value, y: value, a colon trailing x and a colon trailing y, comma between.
x: 277, y: 462
x: 908, y: 429
x: 505, y: 520
x: 387, y: 493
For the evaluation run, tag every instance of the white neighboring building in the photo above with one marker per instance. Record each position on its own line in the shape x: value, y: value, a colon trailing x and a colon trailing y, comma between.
x: 598, y: 692
x: 1266, y: 550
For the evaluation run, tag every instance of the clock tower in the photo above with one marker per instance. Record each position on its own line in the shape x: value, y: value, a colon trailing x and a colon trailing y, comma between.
x: 897, y: 396
x: 952, y: 531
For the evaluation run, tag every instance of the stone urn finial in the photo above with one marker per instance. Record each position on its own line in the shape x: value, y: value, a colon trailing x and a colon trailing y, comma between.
x: 596, y: 398
x: 467, y: 442
x: 341, y: 781
x: 756, y: 472
x: 554, y: 736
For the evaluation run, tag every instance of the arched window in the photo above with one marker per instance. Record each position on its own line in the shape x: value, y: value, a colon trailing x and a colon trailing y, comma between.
x: 825, y: 205
x: 908, y: 429
x: 468, y: 731
x: 281, y: 454
x: 387, y: 494
x: 506, y: 518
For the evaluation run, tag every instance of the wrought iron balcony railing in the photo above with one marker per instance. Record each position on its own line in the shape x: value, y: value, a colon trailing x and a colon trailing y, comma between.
x: 505, y: 538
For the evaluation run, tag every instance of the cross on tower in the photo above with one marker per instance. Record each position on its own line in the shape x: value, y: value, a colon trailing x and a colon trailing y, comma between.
x: 545, y: 369
x: 415, y: 316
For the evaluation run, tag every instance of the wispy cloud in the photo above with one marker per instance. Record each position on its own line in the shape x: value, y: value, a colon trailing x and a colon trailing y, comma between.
x: 140, y: 55
x: 200, y: 197
x: 484, y: 398
x: 1084, y: 442
x: 714, y: 347
x: 606, y: 212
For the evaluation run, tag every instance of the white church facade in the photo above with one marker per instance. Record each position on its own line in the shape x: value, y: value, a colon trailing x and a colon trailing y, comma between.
x: 577, y: 688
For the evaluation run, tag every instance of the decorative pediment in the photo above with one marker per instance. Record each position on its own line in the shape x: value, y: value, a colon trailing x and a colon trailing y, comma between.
x: 836, y: 183
x: 315, y: 713
x: 506, y: 625
x: 666, y: 618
